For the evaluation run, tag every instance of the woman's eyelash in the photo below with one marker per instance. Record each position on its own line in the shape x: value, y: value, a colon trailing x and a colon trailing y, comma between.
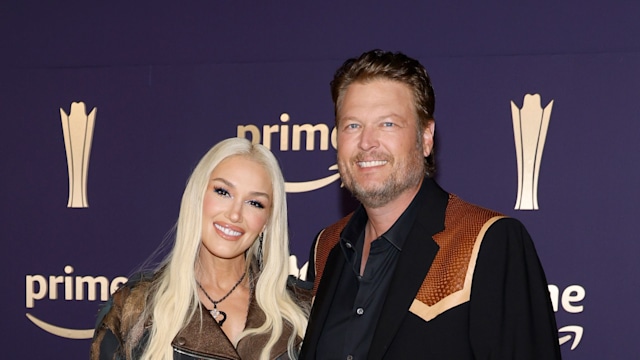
x: 221, y: 191
x: 255, y: 203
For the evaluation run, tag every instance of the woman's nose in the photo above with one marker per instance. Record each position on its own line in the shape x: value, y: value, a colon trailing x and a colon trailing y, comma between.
x: 235, y: 212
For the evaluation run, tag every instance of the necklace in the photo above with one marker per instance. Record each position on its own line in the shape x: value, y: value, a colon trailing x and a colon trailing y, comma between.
x: 215, y: 313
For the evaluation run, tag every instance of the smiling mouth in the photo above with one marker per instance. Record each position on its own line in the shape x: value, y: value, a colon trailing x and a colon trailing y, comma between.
x: 366, y: 164
x: 227, y: 231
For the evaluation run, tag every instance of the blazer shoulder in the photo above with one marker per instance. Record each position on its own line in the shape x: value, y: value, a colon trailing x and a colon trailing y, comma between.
x: 323, y: 244
x: 449, y: 279
x: 460, y: 213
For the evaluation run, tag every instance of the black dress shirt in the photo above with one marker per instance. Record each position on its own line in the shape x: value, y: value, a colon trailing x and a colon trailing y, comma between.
x: 349, y: 328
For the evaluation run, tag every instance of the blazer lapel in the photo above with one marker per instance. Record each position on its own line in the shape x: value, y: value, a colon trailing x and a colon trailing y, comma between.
x: 322, y: 302
x: 416, y: 257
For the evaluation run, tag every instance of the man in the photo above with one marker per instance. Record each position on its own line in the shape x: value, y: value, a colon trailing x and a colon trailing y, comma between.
x: 415, y: 272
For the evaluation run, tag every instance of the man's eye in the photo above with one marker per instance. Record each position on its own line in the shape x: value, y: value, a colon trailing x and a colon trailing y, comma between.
x: 388, y: 124
x: 221, y: 191
x: 352, y: 126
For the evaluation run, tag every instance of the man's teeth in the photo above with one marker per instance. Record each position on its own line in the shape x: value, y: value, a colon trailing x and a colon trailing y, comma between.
x: 364, y: 164
x: 228, y: 231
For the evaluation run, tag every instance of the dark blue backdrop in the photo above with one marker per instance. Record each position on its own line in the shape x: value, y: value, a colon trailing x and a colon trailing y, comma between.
x: 170, y: 79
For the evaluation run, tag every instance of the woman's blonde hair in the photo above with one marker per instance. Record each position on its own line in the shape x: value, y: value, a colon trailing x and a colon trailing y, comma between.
x: 174, y: 298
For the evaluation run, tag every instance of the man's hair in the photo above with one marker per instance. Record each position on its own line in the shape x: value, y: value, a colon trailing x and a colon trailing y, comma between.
x: 386, y: 65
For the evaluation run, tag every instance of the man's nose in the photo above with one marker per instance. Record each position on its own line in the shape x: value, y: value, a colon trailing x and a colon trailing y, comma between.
x: 369, y: 138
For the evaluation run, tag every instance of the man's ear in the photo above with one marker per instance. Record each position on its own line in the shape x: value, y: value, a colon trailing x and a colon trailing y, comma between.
x: 427, y: 137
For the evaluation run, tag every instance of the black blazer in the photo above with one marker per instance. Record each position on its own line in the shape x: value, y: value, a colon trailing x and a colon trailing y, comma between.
x: 509, y: 314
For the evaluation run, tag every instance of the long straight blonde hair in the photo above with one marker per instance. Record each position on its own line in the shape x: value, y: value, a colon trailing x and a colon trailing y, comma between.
x: 174, y: 298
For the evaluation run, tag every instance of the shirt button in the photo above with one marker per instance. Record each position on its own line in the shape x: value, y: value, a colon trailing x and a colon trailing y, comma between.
x: 349, y: 357
x: 348, y: 245
x: 359, y: 311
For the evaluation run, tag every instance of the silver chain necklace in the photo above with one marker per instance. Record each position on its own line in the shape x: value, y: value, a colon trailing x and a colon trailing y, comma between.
x: 215, y: 313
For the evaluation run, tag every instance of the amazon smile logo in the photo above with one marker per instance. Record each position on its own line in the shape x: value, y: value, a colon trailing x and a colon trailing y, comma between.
x: 67, y: 287
x: 569, y: 300
x: 290, y: 139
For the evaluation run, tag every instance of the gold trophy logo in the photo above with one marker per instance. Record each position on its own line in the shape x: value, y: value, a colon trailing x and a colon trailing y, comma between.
x: 77, y: 128
x: 530, y: 125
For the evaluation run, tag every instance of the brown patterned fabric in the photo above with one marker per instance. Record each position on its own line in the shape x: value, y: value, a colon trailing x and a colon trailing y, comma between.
x: 327, y: 239
x: 449, y: 268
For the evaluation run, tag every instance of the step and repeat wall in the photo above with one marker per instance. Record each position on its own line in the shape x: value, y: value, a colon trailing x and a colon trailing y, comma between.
x: 106, y: 108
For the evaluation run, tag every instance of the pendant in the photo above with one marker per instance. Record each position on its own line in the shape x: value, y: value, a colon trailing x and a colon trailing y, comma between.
x: 215, y: 313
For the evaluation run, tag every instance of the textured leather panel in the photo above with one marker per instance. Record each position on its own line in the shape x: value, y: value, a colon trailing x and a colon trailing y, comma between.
x: 449, y: 268
x: 327, y: 239
x: 457, y: 297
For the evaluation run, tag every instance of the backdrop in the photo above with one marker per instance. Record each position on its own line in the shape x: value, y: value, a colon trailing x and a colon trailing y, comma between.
x: 106, y: 107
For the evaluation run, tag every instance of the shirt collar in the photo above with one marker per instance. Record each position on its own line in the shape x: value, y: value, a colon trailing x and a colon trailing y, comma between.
x: 398, y: 232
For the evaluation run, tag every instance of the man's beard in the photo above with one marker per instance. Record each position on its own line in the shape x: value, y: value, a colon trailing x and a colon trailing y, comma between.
x: 407, y: 173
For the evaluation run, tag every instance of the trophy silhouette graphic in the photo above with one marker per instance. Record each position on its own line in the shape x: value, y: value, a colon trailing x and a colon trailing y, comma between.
x: 530, y: 124
x: 77, y: 128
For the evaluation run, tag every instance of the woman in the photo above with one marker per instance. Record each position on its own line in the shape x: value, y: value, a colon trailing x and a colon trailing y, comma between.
x: 222, y: 291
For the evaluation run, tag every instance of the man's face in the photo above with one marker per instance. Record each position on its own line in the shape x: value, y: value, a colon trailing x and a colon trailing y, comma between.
x: 380, y: 149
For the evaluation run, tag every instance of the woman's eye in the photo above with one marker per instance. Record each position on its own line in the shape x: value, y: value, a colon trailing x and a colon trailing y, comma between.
x: 221, y: 191
x: 255, y: 203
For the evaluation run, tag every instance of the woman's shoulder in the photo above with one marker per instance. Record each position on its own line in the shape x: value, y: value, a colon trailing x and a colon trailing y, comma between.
x: 135, y: 289
x: 128, y: 301
x: 119, y: 321
x: 301, y: 290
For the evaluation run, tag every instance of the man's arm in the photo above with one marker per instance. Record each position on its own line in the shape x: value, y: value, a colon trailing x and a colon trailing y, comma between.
x: 511, y: 316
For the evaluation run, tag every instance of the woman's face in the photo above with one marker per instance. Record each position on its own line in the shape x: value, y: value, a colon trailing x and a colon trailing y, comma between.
x: 236, y: 207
